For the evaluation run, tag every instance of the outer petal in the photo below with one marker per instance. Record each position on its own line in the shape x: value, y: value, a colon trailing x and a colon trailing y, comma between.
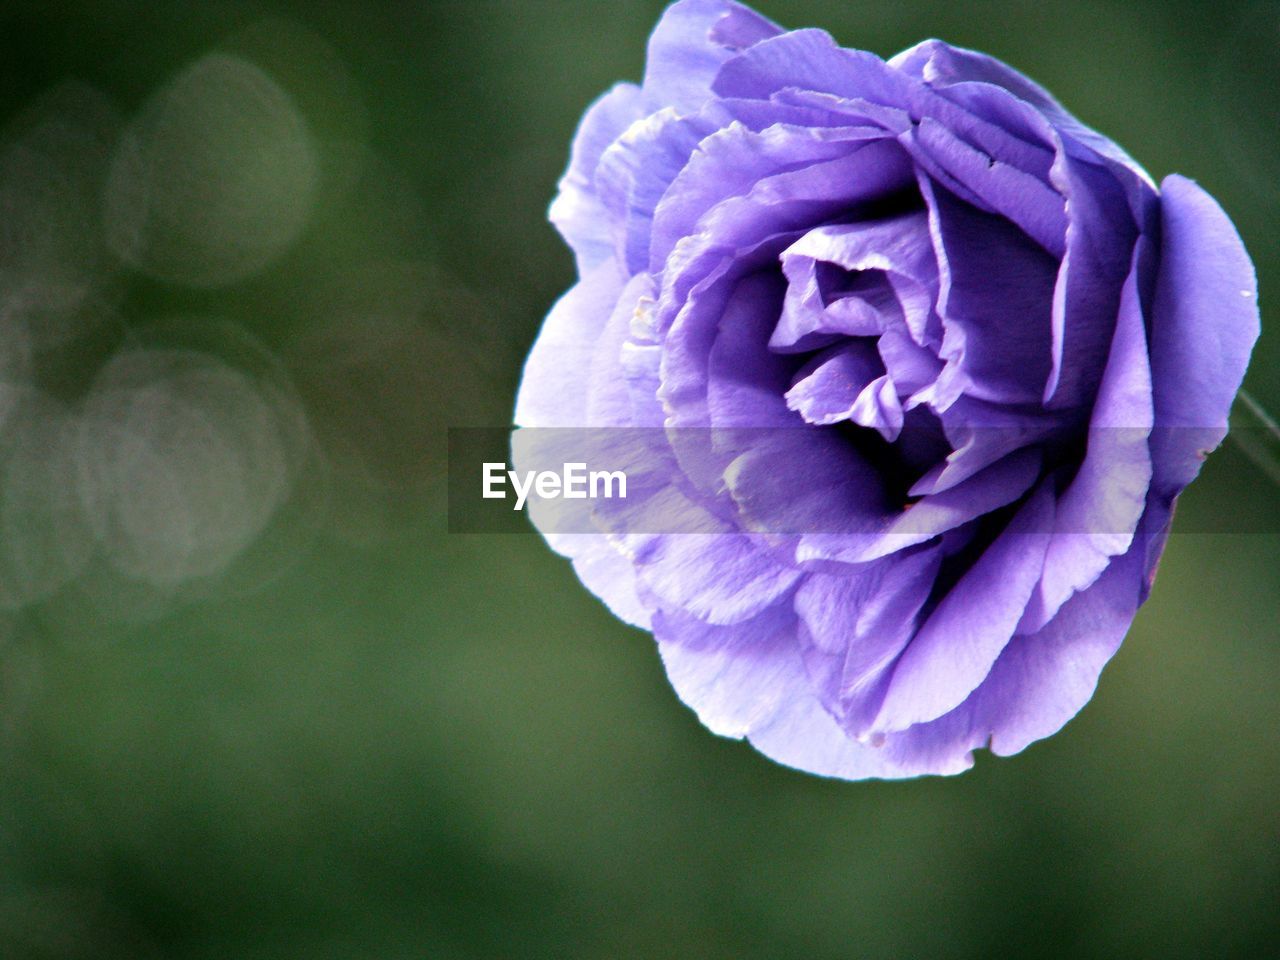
x: 956, y: 646
x: 553, y: 389
x: 749, y: 680
x: 609, y: 398
x: 636, y: 171
x: 719, y: 577
x: 804, y: 736
x: 558, y: 387
x: 576, y: 211
x: 1203, y: 327
x: 1043, y: 680
x: 1039, y: 682
x: 694, y: 38
x: 605, y: 571
x: 811, y: 60
x: 691, y: 43
x: 730, y: 674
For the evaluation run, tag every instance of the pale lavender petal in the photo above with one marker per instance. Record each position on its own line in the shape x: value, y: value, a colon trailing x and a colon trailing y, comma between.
x: 576, y: 211
x: 605, y: 571
x: 610, y: 402
x: 879, y: 408
x: 636, y: 171
x: 691, y: 42
x: 735, y: 677
x: 712, y: 573
x: 749, y: 681
x: 553, y: 391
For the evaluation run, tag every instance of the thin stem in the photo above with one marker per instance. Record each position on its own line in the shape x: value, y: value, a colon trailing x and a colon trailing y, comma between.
x: 1257, y: 434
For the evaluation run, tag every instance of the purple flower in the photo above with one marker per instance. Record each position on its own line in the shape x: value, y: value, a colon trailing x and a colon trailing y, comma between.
x: 989, y: 351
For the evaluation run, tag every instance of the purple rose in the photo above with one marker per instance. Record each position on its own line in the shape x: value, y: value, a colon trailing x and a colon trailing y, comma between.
x: 989, y: 353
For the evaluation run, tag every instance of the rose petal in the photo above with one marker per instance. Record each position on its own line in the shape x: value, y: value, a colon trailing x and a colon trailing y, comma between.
x: 997, y: 486
x: 553, y: 390
x: 604, y: 571
x: 830, y: 387
x: 995, y: 290
x: 718, y: 576
x: 733, y: 161
x: 1039, y: 682
x: 854, y: 626
x: 1204, y: 323
x: 804, y: 480
x: 990, y: 184
x: 636, y: 170
x: 734, y: 238
x: 749, y: 681
x: 899, y: 247
x: 954, y: 69
x: 610, y: 402
x: 1100, y: 241
x: 745, y: 382
x: 734, y: 677
x: 1099, y: 512
x: 981, y: 434
x: 691, y: 42
x: 811, y: 60
x: 962, y: 638
x: 576, y: 211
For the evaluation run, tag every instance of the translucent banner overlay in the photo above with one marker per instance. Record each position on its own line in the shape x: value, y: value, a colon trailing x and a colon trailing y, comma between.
x: 836, y: 481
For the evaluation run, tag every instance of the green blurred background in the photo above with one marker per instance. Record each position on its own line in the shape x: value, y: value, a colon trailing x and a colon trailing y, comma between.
x: 255, y: 702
